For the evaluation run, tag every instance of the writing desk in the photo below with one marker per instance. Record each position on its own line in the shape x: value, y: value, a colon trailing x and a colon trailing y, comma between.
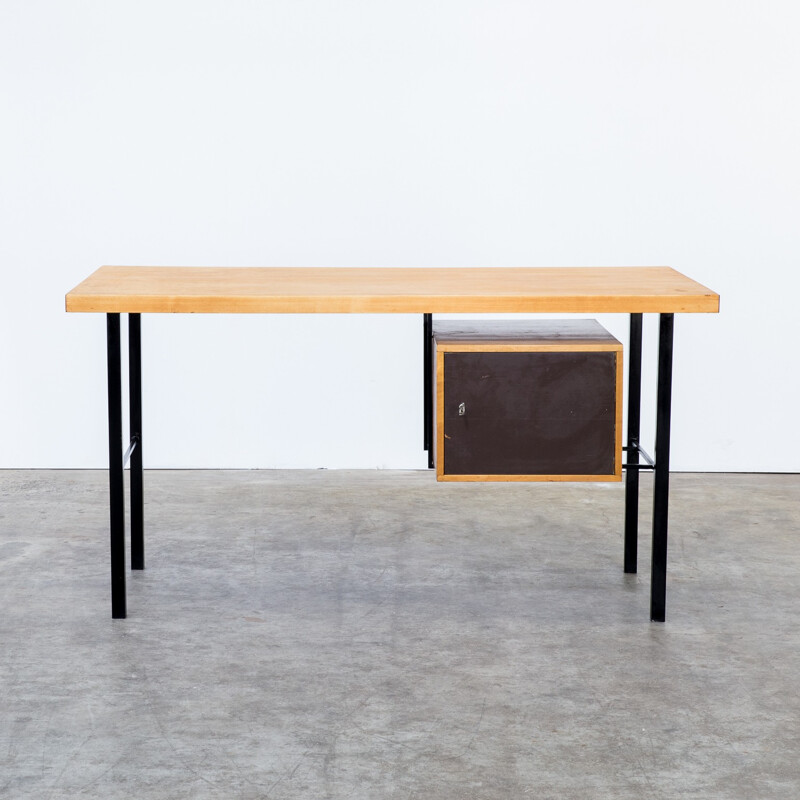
x: 271, y: 290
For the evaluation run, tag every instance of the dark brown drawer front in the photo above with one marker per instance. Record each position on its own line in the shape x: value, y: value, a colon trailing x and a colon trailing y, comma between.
x: 529, y: 413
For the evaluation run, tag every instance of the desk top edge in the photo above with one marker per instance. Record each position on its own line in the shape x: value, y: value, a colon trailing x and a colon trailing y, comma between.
x: 118, y: 289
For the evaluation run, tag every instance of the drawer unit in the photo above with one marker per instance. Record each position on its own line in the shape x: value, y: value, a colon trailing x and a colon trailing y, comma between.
x: 527, y: 401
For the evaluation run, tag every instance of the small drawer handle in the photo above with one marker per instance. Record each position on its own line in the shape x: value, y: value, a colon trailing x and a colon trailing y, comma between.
x: 462, y: 409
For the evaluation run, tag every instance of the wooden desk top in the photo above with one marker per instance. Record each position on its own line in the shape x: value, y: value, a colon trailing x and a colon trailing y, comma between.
x: 235, y: 290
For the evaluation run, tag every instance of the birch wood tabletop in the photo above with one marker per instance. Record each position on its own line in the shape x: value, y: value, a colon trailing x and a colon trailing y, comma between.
x: 233, y: 290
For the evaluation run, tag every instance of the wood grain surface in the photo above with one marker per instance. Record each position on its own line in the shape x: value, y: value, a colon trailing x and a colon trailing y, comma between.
x: 232, y: 290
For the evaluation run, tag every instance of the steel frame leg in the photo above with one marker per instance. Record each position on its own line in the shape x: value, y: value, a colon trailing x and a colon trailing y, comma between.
x: 427, y: 383
x: 137, y: 477
x: 115, y: 469
x: 658, y: 578
x: 634, y: 418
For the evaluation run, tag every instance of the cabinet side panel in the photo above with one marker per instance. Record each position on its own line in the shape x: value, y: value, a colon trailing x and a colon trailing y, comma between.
x: 438, y: 425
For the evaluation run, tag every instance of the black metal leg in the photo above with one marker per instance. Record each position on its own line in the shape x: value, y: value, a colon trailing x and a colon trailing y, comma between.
x: 115, y: 469
x: 427, y: 381
x: 634, y: 417
x: 658, y: 581
x: 137, y: 477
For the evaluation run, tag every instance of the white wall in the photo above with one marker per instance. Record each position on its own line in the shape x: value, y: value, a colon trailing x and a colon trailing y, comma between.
x: 453, y: 133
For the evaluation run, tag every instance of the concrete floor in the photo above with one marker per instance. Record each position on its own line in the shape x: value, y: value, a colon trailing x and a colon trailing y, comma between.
x: 378, y: 635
